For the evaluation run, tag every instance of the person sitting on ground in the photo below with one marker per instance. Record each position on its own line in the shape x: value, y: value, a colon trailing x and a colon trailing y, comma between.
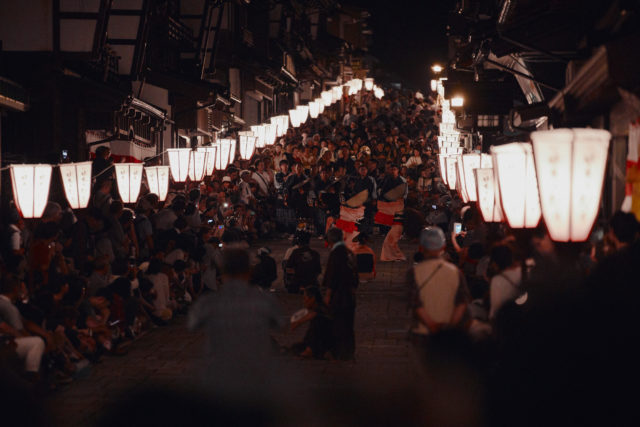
x: 317, y: 340
x: 365, y: 257
x: 266, y: 271
x: 303, y: 264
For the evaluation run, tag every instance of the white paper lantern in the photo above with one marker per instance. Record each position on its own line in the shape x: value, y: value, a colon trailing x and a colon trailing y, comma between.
x: 304, y: 113
x: 258, y: 132
x: 487, y: 195
x: 269, y: 133
x: 31, y: 188
x: 294, y: 117
x: 517, y: 183
x: 450, y: 163
x: 247, y: 143
x: 434, y: 85
x: 314, y: 109
x: 76, y: 179
x: 320, y: 103
x: 158, y: 180
x: 198, y: 165
x: 357, y: 84
x: 223, y: 155
x: 129, y: 178
x: 442, y: 160
x: 461, y: 187
x: 469, y: 163
x: 327, y: 98
x: 232, y: 150
x: 179, y: 159
x: 570, y: 166
x: 368, y: 83
x: 378, y: 92
x: 210, y: 166
x: 336, y: 93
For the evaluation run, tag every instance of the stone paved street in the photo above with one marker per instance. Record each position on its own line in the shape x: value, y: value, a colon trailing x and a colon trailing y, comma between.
x: 168, y: 356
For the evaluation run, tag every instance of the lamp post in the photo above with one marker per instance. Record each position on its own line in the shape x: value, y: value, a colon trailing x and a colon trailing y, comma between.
x: 570, y: 166
x: 518, y: 187
x: 158, y: 180
x: 179, y: 159
x: 129, y: 178
x: 76, y: 179
x: 30, y: 188
x: 247, y: 142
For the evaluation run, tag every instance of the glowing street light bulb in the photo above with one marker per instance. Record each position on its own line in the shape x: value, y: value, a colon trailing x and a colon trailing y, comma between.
x: 457, y: 101
x: 436, y: 68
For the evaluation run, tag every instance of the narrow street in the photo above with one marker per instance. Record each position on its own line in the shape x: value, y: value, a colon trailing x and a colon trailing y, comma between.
x: 169, y: 356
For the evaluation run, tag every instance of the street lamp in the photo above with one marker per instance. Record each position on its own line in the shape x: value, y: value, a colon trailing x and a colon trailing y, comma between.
x: 259, y: 133
x: 158, y: 180
x: 314, y: 109
x: 487, y: 195
x: 436, y: 68
x: 247, y: 142
x: 457, y: 101
x: 210, y: 166
x: 197, y: 165
x: 179, y: 159
x: 368, y: 83
x: 31, y: 188
x: 129, y: 178
x: 517, y: 183
x: 223, y: 155
x: 570, y: 166
x: 76, y: 179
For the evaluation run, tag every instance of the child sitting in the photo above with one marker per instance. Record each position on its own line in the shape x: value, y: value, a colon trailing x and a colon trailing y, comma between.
x: 317, y: 339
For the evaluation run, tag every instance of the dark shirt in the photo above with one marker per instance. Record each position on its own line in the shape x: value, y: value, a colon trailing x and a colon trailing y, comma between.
x: 306, y: 265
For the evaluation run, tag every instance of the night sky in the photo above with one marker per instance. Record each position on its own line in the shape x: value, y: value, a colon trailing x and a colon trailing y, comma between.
x: 408, y: 35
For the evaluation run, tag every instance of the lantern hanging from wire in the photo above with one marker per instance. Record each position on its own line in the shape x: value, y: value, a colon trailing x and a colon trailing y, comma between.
x: 158, y: 180
x: 179, y: 159
x: 327, y: 98
x: 314, y: 109
x: 294, y: 116
x: 320, y: 103
x: 31, y: 188
x: 210, y: 166
x: 442, y: 160
x: 258, y: 132
x: 336, y: 93
x: 368, y: 83
x: 357, y: 84
x: 434, y: 85
x: 570, y: 167
x: 304, y: 113
x: 450, y: 163
x: 378, y: 92
x: 247, y: 143
x: 487, y: 195
x: 222, y: 156
x: 517, y: 184
x: 461, y: 186
x: 269, y: 134
x: 198, y: 165
x: 470, y: 162
x: 76, y: 179
x: 232, y: 150
x: 129, y: 178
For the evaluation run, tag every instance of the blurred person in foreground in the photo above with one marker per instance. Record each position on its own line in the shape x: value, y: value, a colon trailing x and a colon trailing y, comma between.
x: 237, y: 321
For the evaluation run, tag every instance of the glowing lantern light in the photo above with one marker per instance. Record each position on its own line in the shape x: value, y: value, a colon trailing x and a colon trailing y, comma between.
x: 457, y: 101
x: 450, y: 163
x: 442, y: 159
x: 198, y: 165
x: 31, y: 188
x: 247, y: 142
x: 357, y: 84
x: 368, y: 83
x: 570, y: 166
x: 179, y: 159
x: 259, y: 133
x: 304, y: 113
x: 294, y: 116
x: 378, y: 92
x: 517, y: 183
x: 434, y: 85
x: 327, y: 98
x: 158, y: 180
x: 461, y: 186
x: 76, y: 179
x: 129, y: 178
x: 487, y: 195
x: 224, y: 148
x: 470, y: 162
x: 320, y: 103
x: 336, y: 93
x: 314, y: 110
x: 270, y: 134
x: 232, y: 151
x: 210, y: 166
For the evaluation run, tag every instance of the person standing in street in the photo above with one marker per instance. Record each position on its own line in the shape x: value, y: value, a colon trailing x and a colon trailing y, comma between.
x: 341, y: 281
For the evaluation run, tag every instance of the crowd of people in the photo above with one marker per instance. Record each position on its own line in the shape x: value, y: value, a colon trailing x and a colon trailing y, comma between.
x: 77, y: 285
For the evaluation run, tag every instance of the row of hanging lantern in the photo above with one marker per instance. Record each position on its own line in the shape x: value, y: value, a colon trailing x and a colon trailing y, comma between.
x: 558, y: 176
x: 31, y: 182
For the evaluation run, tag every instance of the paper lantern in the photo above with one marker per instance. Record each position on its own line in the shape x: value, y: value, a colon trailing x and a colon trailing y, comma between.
x: 258, y: 132
x: 247, y: 142
x: 327, y: 98
x: 129, y: 178
x: 517, y: 184
x: 314, y: 109
x: 570, y: 166
x: 294, y: 117
x: 378, y: 92
x: 434, y: 85
x: 487, y: 195
x: 210, y: 165
x: 30, y: 188
x: 357, y: 84
x: 76, y: 179
x: 269, y: 133
x: 442, y: 159
x: 368, y: 83
x: 223, y: 155
x: 336, y: 93
x: 461, y: 187
x: 457, y: 101
x: 179, y: 159
x: 232, y: 151
x: 198, y: 165
x: 450, y: 163
x: 158, y: 180
x: 470, y: 162
x: 281, y: 123
x: 304, y: 113
x: 320, y: 103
